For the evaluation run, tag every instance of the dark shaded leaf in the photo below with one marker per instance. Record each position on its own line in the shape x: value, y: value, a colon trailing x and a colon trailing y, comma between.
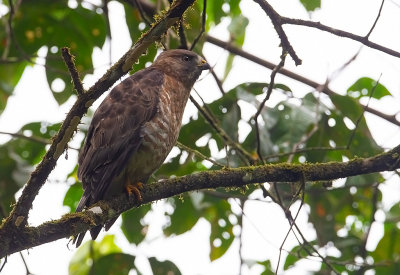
x: 89, y: 252
x: 237, y: 31
x: 113, y: 264
x: 47, y: 23
x: 9, y: 185
x: 388, y: 250
x: 10, y: 74
x: 32, y: 150
x: 217, y: 212
x: 162, y: 268
x: 267, y: 267
x: 132, y: 224
x: 184, y: 217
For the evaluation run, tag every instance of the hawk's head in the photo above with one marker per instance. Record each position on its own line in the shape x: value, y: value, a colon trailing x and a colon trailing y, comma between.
x: 186, y: 66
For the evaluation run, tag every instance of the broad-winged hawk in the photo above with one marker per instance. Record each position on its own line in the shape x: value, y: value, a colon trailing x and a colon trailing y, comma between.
x: 135, y: 128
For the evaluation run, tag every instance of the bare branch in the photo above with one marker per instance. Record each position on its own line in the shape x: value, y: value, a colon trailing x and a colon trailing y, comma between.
x: 277, y: 22
x: 376, y: 20
x: 302, y: 79
x: 262, y: 104
x: 203, y: 25
x: 362, y: 39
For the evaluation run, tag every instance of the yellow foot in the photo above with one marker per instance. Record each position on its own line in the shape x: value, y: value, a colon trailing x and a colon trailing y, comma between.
x: 134, y: 189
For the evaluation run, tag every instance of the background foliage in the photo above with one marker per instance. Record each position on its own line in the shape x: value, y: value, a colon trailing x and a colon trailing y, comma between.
x: 341, y: 215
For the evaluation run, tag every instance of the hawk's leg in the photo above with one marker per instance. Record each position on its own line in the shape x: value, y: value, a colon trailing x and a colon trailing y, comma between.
x: 134, y: 189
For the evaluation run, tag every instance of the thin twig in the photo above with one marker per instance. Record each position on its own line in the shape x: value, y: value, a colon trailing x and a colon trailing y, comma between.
x: 217, y: 81
x: 324, y: 260
x: 256, y: 125
x: 277, y: 22
x: 315, y: 128
x: 25, y: 264
x: 10, y: 30
x: 142, y: 13
x: 182, y: 36
x: 362, y: 114
x: 197, y: 153
x: 146, y: 8
x: 362, y: 39
x: 32, y: 138
x: 335, y: 73
x: 261, y: 106
x: 203, y: 25
x: 69, y: 61
x: 4, y: 263
x: 299, y: 151
x: 221, y: 132
x: 376, y: 20
x: 108, y: 26
x: 302, y: 141
x: 291, y: 220
x: 225, y: 196
x: 241, y: 224
x: 374, y: 207
x: 232, y: 49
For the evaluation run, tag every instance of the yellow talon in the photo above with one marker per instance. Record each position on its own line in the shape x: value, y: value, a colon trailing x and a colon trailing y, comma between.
x: 135, y: 190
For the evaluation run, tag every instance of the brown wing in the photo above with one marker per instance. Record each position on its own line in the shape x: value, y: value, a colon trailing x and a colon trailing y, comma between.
x: 115, y: 132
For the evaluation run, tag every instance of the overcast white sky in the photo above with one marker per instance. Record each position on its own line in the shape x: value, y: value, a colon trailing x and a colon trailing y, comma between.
x: 264, y: 225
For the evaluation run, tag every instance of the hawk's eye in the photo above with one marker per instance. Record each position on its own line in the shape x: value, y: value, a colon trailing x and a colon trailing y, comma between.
x: 186, y: 58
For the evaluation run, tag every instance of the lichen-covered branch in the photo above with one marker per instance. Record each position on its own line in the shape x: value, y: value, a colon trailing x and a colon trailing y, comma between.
x: 14, y: 239
x: 19, y: 214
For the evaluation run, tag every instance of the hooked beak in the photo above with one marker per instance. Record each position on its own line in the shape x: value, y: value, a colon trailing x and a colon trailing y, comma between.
x: 204, y: 65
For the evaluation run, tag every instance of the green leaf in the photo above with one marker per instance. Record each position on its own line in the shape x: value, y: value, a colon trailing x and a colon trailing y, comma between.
x: 18, y: 156
x: 10, y: 74
x: 217, y: 212
x: 388, y: 250
x: 311, y: 5
x: 32, y: 150
x: 46, y: 23
x: 347, y: 106
x: 184, y: 217
x: 113, y: 264
x: 9, y: 183
x: 221, y: 238
x: 83, y: 259
x: 73, y: 196
x: 237, y: 29
x: 364, y: 86
x: 267, y: 267
x: 292, y: 124
x: 228, y: 66
x: 132, y: 224
x: 162, y: 268
x: 290, y: 261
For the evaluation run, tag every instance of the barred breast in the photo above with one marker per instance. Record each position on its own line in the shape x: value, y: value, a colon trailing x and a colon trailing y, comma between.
x: 159, y: 134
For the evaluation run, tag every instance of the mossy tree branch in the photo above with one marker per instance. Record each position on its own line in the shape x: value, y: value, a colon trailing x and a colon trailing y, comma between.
x: 18, y: 217
x: 20, y: 238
